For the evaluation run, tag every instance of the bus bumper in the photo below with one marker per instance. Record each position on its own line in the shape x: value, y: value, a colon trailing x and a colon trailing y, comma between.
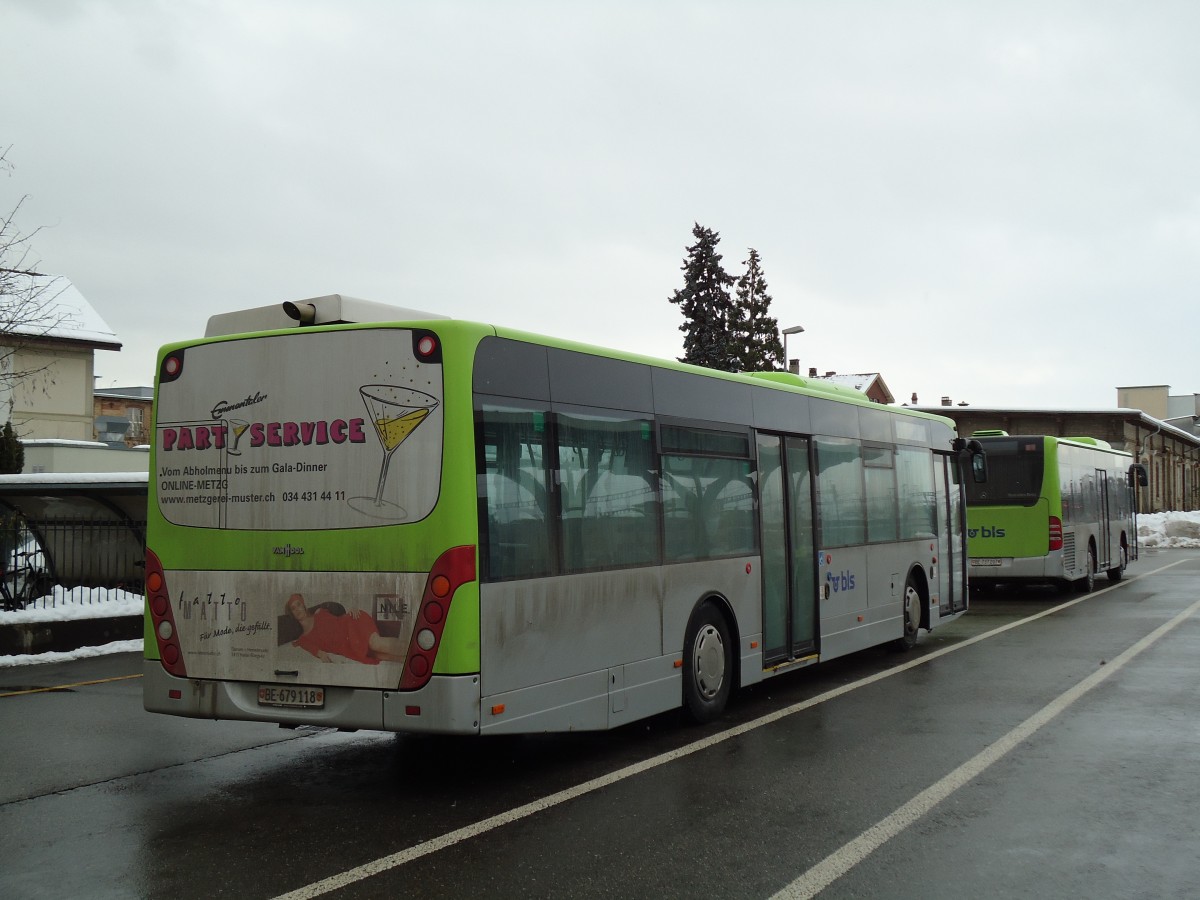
x: 990, y: 570
x: 448, y: 704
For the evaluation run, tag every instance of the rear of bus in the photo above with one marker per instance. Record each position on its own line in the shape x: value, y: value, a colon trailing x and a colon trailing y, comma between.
x: 312, y: 526
x: 1014, y: 519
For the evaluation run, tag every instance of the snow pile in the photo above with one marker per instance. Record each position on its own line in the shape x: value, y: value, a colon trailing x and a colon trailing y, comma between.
x: 1169, y: 529
x: 76, y: 603
x: 53, y: 656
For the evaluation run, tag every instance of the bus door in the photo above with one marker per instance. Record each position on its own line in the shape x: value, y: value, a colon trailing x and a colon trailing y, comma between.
x: 1104, y: 531
x: 788, y: 550
x: 952, y: 563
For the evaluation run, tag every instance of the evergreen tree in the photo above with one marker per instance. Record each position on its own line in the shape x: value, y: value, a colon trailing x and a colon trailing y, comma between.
x: 12, y: 451
x: 754, y: 332
x: 706, y: 304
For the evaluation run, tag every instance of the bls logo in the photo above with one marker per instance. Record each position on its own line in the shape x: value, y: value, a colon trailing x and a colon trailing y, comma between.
x: 985, y: 532
x: 840, y: 582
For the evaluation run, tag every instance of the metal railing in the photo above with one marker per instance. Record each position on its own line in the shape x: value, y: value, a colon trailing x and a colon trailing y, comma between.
x: 47, y: 562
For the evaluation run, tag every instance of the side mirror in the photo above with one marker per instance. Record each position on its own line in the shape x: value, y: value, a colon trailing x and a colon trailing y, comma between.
x: 979, y: 473
x: 974, y: 450
x: 1137, y: 475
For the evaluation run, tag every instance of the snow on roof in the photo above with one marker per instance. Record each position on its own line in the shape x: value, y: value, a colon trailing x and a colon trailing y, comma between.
x: 94, y: 478
x: 125, y: 393
x: 859, y: 382
x: 65, y: 314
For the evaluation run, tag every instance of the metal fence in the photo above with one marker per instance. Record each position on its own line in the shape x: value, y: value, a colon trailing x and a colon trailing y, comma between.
x: 46, y: 563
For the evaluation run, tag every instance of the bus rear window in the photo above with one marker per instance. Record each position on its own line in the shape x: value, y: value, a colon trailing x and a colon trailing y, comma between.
x: 1015, y: 469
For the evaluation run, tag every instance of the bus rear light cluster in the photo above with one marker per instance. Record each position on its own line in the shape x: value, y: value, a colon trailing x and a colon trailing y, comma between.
x: 1056, y: 537
x: 159, y: 600
x: 452, y: 569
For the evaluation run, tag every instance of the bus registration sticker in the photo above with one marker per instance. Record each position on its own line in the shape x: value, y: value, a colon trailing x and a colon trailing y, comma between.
x: 296, y: 697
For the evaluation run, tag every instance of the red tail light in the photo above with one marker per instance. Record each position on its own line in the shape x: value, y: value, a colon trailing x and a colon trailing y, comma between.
x: 159, y: 600
x: 453, y: 568
x: 1055, y: 533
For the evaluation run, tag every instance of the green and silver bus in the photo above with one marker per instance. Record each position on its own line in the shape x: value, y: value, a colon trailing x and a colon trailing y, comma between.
x: 1054, y: 510
x: 369, y: 517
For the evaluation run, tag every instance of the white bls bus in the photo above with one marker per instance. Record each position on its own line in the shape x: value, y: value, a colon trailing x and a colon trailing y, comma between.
x: 368, y: 517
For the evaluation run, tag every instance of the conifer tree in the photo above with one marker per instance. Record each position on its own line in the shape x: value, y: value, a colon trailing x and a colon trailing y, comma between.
x: 12, y: 451
x: 706, y: 304
x: 755, y: 333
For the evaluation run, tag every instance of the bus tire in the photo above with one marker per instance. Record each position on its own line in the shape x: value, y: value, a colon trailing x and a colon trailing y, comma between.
x: 1087, y: 583
x: 1115, y: 575
x: 707, y: 664
x: 911, y: 613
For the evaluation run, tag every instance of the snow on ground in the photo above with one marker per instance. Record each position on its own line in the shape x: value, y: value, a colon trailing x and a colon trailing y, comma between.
x: 29, y: 659
x: 74, y: 603
x: 1169, y: 529
x: 1155, y: 530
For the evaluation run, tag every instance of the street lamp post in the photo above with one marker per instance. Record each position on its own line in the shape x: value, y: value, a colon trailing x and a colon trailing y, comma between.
x: 787, y: 363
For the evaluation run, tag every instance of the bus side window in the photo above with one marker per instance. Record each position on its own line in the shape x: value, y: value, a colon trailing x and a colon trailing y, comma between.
x: 708, y: 493
x: 514, y: 482
x: 840, y: 497
x: 609, y: 492
x: 914, y: 468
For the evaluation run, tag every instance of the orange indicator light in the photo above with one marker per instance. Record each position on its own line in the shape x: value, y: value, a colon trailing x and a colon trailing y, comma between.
x: 497, y: 709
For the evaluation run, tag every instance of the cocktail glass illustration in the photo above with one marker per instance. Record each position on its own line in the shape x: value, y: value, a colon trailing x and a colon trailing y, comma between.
x: 238, y: 428
x: 395, y: 412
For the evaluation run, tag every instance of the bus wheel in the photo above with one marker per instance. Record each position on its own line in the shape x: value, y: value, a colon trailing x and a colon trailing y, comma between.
x: 1114, y: 575
x: 707, y: 664
x: 912, y: 617
x: 1087, y: 583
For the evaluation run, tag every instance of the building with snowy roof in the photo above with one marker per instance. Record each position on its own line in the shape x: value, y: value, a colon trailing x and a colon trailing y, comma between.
x: 47, y: 350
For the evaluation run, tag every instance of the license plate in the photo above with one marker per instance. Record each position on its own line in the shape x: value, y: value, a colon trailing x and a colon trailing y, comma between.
x: 985, y: 562
x: 296, y: 697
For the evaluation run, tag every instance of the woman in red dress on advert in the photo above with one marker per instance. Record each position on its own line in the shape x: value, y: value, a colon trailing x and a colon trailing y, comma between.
x: 354, y: 635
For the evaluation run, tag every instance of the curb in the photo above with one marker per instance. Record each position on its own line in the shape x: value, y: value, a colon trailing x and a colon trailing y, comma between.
x: 44, y: 637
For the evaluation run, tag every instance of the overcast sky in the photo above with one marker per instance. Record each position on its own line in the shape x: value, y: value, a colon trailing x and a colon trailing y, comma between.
x: 997, y: 202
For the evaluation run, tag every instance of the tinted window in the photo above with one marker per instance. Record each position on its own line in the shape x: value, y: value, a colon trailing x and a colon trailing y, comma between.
x: 607, y: 487
x: 516, y: 501
x: 840, y: 510
x: 1014, y: 473
x: 879, y: 472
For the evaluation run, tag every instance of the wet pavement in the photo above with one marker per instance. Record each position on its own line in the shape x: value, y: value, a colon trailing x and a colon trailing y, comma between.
x: 1029, y: 749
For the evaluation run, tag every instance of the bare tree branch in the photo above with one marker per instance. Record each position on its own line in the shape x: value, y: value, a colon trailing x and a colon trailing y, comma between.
x: 28, y: 308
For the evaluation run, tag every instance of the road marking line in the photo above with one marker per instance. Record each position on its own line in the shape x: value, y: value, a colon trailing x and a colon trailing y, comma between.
x: 65, y: 687
x: 842, y: 860
x: 442, y: 842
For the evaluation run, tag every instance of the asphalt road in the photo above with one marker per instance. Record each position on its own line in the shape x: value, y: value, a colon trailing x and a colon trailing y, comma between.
x: 1044, y: 745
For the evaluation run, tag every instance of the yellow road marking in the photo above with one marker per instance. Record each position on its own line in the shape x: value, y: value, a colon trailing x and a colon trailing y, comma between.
x: 64, y: 687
